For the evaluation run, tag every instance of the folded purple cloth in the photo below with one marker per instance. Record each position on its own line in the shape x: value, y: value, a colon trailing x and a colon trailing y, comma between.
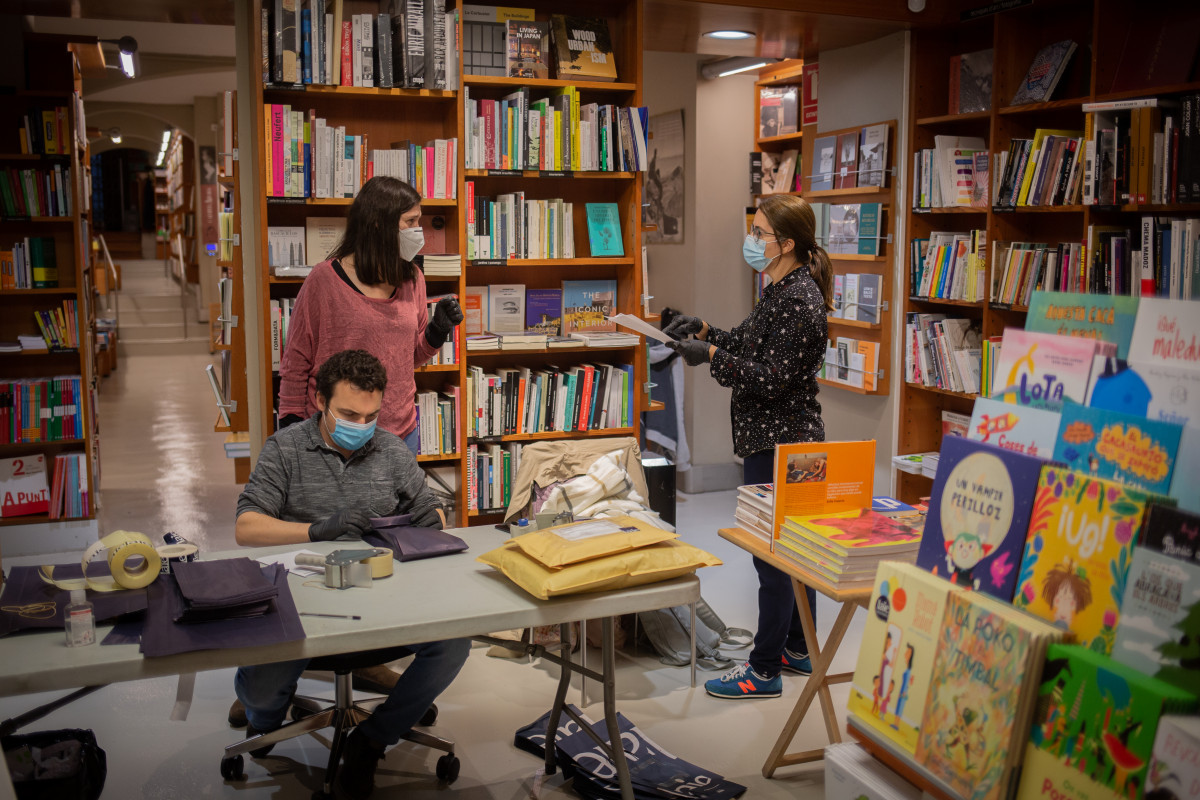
x: 224, y: 583
x: 410, y: 543
x: 29, y: 602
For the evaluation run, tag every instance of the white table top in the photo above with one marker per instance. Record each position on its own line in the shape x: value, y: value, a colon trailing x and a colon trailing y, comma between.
x: 439, y: 598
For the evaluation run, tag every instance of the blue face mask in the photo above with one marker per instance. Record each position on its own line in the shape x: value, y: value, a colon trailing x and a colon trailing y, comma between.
x: 755, y: 253
x: 350, y: 435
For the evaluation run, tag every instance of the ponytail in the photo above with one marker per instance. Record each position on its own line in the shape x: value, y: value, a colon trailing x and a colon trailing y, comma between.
x: 821, y: 270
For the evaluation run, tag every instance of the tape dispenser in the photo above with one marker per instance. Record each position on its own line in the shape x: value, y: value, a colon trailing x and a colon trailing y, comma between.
x: 347, y: 568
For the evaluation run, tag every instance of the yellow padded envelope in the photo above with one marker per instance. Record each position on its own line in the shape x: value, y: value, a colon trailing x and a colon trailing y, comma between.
x: 579, y: 541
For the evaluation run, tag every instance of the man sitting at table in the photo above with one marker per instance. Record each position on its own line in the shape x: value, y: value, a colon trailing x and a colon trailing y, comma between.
x: 320, y: 480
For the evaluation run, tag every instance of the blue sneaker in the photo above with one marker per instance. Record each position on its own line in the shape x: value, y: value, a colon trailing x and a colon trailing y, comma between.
x: 743, y: 682
x: 796, y: 663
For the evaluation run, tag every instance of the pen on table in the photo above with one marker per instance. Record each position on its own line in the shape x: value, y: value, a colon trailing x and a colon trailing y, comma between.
x: 330, y: 616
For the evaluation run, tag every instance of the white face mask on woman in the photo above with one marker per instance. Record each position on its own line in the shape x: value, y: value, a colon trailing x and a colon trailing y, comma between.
x: 411, y: 242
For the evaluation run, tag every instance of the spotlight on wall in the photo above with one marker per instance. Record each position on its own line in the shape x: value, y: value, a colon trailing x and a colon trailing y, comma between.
x: 127, y: 47
x: 731, y: 66
x: 916, y: 6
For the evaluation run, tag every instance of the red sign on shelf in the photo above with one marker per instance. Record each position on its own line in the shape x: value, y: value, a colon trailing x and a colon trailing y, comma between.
x: 808, y: 102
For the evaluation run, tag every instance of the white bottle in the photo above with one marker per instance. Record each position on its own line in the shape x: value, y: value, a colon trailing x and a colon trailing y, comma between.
x: 80, y: 620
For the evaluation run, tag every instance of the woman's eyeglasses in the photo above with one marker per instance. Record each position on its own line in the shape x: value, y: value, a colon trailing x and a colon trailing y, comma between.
x: 759, y: 234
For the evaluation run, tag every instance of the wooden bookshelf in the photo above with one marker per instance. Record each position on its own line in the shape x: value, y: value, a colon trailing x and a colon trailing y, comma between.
x: 1099, y: 28
x: 55, y: 65
x: 420, y: 115
x: 181, y: 199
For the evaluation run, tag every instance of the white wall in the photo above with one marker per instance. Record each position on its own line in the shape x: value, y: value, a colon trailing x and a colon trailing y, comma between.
x: 861, y: 85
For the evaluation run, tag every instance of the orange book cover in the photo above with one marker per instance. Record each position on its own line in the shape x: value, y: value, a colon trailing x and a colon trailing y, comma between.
x: 822, y: 478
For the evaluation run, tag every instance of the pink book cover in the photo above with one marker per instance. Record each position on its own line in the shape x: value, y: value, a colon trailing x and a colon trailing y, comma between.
x: 277, y: 188
x: 1043, y: 370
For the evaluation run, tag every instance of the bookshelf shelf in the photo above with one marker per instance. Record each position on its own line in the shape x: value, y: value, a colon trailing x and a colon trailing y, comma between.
x: 1041, y: 210
x: 946, y: 302
x: 33, y: 519
x: 857, y: 257
x: 439, y: 458
x: 946, y: 392
x: 1153, y: 91
x: 1017, y: 308
x: 35, y: 157
x: 853, y: 323
x: 288, y: 92
x: 783, y: 138
x: 1037, y: 108
x: 822, y: 194
x: 845, y: 387
x: 438, y: 202
x: 548, y: 435
x: 27, y: 220
x: 480, y: 355
x: 950, y: 119
x: 476, y: 174
x: 554, y: 262
x: 655, y: 405
x: 43, y: 444
x: 61, y: 290
x: 550, y: 83
x: 42, y: 353
x: 438, y: 368
x: 950, y: 210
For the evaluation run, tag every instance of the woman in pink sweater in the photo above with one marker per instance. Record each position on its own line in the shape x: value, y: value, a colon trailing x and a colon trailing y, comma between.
x: 368, y: 296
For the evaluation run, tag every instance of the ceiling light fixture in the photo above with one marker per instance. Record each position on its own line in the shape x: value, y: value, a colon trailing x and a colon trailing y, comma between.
x: 732, y: 66
x: 729, y: 34
x: 162, y: 151
x: 127, y: 46
x: 114, y: 134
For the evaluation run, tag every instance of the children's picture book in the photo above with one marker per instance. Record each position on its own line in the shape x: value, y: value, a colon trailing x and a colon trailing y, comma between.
x: 975, y: 717
x: 1137, y: 451
x: 895, y: 660
x: 1174, y: 532
x: 475, y: 307
x: 506, y: 308
x: 587, y: 305
x: 1076, y: 560
x: 1042, y: 370
x: 1022, y: 429
x: 978, y: 513
x: 859, y: 532
x: 24, y: 489
x: 1174, y: 772
x: 822, y: 478
x: 1094, y: 727
x: 543, y: 311
x: 1159, y: 632
x: 582, y: 48
x: 847, y: 165
x: 872, y: 156
x: 824, y: 163
x: 1044, y: 73
x: 604, y: 230
x: 851, y: 773
x: 528, y: 49
x: 1146, y: 389
x: 1166, y: 332
x: 1108, y: 318
x: 1187, y: 467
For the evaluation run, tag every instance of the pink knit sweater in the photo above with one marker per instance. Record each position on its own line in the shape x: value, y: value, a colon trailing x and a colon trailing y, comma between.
x: 329, y: 317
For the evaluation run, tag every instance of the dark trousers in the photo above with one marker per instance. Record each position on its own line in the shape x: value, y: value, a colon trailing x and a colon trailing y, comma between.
x: 778, y: 617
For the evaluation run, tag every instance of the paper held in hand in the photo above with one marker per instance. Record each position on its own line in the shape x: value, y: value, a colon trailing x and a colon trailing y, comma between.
x: 639, y: 325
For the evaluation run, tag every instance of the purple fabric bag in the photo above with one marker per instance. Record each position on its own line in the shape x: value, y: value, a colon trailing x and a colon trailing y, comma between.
x: 29, y: 602
x: 410, y: 543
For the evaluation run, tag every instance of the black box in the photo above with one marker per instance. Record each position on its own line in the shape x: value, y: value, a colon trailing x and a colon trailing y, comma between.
x: 660, y: 479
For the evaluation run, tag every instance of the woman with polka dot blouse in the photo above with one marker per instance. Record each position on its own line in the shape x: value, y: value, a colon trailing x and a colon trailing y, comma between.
x: 770, y: 361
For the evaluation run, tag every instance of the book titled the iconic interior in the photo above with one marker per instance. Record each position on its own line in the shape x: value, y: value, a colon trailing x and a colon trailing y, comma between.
x: 582, y: 48
x: 587, y: 306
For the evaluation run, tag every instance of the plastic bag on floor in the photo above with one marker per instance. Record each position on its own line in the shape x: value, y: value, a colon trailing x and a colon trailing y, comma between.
x: 56, y: 764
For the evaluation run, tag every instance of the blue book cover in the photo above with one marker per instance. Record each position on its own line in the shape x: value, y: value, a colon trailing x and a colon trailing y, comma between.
x: 978, y: 516
x: 868, y: 229
x: 604, y: 229
x: 1108, y: 444
x: 1108, y: 318
x: 587, y: 305
x: 543, y: 311
x: 883, y: 504
x: 1022, y: 429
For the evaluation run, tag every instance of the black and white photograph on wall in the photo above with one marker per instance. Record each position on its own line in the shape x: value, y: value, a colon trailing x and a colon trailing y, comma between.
x: 662, y: 189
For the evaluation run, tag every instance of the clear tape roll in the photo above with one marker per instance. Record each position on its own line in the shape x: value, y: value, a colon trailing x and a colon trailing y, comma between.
x: 170, y: 554
x: 132, y: 560
x: 381, y: 563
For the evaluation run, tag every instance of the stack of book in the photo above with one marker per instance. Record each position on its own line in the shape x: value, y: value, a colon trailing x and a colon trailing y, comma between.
x: 519, y: 401
x: 41, y: 409
x: 851, y: 773
x: 523, y: 340
x: 36, y: 192
x: 483, y: 342
x: 913, y: 462
x: 442, y: 265
x: 237, y: 445
x: 755, y: 505
x: 490, y: 470
x: 950, y: 265
x: 607, y: 338
x: 30, y: 264
x: 845, y: 547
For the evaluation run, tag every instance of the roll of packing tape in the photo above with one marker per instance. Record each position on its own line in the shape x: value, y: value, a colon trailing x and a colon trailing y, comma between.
x: 380, y: 563
x: 171, y: 554
x: 132, y: 560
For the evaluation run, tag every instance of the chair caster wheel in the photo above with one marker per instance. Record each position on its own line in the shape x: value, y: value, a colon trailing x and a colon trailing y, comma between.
x: 231, y: 768
x: 429, y: 717
x: 448, y: 767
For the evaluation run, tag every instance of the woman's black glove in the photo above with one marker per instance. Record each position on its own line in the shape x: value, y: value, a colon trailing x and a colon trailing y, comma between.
x: 694, y: 351
x: 446, y: 314
x: 683, y: 326
x: 353, y: 521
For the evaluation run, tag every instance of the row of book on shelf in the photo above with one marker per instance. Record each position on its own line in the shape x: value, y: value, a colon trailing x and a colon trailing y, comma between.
x: 512, y: 42
x: 510, y: 226
x: 30, y: 263
x: 510, y: 308
x: 408, y: 44
x: 24, y: 489
x: 851, y: 160
x: 853, y: 362
x: 438, y: 422
x: 857, y: 296
x: 308, y: 157
x: 45, y: 132
x: 58, y: 331
x: 292, y: 250
x: 490, y: 471
x: 41, y: 409
x: 36, y: 191
x: 554, y: 133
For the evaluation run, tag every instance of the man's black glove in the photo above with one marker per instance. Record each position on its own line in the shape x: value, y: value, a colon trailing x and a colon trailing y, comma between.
x: 353, y: 521
x: 427, y: 518
x: 683, y: 326
x: 446, y: 314
x: 694, y: 351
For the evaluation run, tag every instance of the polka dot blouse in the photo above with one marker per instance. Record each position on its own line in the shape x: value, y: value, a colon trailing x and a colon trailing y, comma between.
x: 771, y: 362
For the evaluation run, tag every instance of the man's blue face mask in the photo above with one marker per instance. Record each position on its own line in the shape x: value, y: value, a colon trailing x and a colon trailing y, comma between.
x: 350, y: 435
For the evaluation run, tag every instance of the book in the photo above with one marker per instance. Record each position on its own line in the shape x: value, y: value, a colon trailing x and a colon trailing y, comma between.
x: 1094, y: 727
x: 770, y: 112
x: 1021, y: 429
x: 756, y: 173
x: 285, y: 246
x: 485, y: 37
x: 770, y: 171
x: 1166, y: 332
x: 895, y: 661
x: 543, y: 311
x: 822, y: 478
x: 785, y: 178
x: 851, y: 773
x: 1109, y: 444
x: 528, y: 49
x: 1044, y: 73
x: 1160, y: 619
x: 1108, y: 318
x: 1174, y: 532
x: 604, y: 230
x: 847, y: 161
x: 789, y: 103
x: 321, y: 236
x: 978, y: 515
x: 506, y: 308
x: 1148, y: 389
x: 1043, y: 370
x: 1187, y: 467
x: 476, y: 305
x: 973, y: 82
x: 857, y: 533
x: 872, y: 156
x: 1174, y: 769
x: 824, y: 163
x: 869, y: 301
x: 587, y: 305
x: 844, y: 219
x: 1077, y: 553
x: 582, y: 48
x: 869, y: 230
x: 23, y: 486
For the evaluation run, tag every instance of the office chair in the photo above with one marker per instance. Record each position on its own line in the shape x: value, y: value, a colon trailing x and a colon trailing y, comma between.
x: 310, y: 714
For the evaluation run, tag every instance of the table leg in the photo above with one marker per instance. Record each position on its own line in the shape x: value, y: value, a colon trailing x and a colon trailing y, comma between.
x: 816, y: 685
x: 560, y: 699
x: 693, y: 607
x: 609, y: 656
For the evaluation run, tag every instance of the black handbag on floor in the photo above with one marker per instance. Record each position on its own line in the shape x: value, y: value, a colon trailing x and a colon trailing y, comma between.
x: 69, y: 765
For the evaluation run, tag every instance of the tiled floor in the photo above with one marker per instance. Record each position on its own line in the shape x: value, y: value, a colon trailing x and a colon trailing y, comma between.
x: 164, y: 470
